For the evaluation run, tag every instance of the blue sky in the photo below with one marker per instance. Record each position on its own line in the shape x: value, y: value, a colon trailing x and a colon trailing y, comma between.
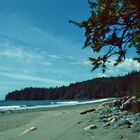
x: 39, y: 48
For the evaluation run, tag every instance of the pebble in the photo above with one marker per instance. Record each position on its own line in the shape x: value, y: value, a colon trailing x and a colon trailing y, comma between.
x: 136, y: 130
x: 115, y: 118
x: 6, y: 111
x: 106, y: 124
x: 93, y: 126
x: 116, y: 125
x: 124, y: 122
x: 136, y: 117
x: 79, y: 122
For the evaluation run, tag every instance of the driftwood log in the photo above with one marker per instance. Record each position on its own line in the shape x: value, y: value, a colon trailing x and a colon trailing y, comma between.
x: 86, y: 111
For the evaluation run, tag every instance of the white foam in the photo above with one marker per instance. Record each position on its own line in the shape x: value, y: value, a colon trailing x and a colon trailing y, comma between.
x: 96, y: 101
x: 68, y: 103
x: 84, y: 102
x: 9, y: 107
x: 54, y: 104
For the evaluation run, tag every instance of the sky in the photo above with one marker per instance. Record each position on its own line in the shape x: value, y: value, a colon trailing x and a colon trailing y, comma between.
x: 40, y: 48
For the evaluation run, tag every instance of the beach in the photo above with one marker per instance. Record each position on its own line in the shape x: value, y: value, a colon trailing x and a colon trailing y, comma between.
x: 61, y: 123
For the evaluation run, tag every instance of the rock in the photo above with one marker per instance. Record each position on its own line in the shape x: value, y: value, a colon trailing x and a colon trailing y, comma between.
x: 79, y: 122
x: 109, y: 119
x: 109, y: 104
x: 125, y: 112
x: 3, y: 111
x: 104, y: 120
x: 113, y: 120
x: 136, y: 106
x: 126, y: 105
x: 130, y: 103
x: 100, y: 108
x: 116, y: 125
x: 117, y: 102
x: 137, y: 123
x: 118, y: 137
x: 10, y: 111
x: 136, y: 117
x: 136, y: 128
x: 28, y: 130
x: 119, y: 115
x: 106, y: 112
x: 124, y: 122
x: 106, y: 124
x: 87, y: 111
x: 6, y: 111
x: 93, y: 126
x: 114, y: 108
x: 133, y: 97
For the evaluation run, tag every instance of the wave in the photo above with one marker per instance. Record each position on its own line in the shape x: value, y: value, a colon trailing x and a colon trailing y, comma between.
x: 68, y: 103
x: 9, y: 107
x: 53, y: 104
x: 84, y: 102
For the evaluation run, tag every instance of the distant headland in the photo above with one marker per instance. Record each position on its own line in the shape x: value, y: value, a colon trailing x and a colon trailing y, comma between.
x: 92, y: 89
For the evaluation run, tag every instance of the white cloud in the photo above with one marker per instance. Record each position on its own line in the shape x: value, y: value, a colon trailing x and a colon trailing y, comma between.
x: 53, y: 56
x: 60, y: 43
x: 47, y: 64
x: 27, y: 77
x: 101, y: 75
x: 82, y: 62
x: 127, y: 66
x: 70, y: 57
x: 16, y: 51
x: 44, y: 34
x: 22, y: 54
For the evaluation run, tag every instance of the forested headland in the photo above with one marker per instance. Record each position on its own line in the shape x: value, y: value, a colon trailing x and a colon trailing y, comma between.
x: 95, y: 88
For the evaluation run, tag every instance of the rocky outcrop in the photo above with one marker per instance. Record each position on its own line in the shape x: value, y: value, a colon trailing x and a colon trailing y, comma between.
x: 121, y: 114
x: 126, y: 103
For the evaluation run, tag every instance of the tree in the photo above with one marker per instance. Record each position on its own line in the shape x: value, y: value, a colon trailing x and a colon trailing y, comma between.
x: 94, y: 88
x: 113, y: 28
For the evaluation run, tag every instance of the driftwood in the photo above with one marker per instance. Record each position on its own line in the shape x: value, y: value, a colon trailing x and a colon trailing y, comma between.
x: 86, y: 111
x: 28, y: 130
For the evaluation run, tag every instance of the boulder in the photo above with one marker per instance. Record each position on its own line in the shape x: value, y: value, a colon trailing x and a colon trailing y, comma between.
x: 135, y: 106
x: 126, y: 105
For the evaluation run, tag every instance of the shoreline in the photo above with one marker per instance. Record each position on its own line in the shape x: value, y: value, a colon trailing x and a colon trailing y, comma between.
x: 60, y: 123
x: 54, y: 105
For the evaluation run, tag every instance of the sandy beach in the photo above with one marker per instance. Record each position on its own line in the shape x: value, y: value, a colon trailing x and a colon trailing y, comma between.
x: 61, y: 123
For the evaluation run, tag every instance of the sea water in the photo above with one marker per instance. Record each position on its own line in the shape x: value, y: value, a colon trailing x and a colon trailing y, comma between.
x: 18, y: 105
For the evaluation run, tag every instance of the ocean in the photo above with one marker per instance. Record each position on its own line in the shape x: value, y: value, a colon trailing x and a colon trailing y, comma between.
x: 19, y: 105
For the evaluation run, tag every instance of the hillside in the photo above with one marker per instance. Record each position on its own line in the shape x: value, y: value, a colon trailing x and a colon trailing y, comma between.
x: 94, y: 88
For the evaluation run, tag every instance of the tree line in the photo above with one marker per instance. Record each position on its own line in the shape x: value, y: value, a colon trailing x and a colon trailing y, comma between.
x: 95, y: 88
